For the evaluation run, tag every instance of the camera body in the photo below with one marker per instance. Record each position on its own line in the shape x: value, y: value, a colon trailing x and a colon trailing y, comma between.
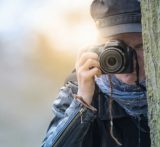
x: 116, y: 57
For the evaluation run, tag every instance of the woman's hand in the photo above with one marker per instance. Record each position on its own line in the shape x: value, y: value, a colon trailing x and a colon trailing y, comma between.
x: 87, y: 67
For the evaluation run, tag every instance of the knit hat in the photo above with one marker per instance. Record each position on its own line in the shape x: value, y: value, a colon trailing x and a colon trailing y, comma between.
x: 114, y: 17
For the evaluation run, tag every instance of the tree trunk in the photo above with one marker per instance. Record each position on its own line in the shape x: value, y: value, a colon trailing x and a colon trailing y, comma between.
x: 151, y: 40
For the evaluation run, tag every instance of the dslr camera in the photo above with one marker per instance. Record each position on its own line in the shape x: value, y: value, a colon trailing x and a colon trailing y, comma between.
x: 115, y: 57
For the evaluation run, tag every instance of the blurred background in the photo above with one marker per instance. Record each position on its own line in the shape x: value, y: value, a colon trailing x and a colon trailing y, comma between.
x: 39, y: 40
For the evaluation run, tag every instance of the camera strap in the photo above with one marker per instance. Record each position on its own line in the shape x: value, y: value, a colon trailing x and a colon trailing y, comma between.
x: 137, y: 72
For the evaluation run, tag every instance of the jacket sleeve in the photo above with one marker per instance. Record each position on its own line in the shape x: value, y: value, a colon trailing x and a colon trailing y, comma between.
x: 71, y: 120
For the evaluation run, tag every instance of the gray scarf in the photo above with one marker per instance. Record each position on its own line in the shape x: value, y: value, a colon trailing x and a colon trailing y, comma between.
x: 130, y: 97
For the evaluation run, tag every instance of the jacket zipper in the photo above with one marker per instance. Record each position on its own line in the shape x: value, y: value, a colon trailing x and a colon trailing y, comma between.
x: 67, y: 126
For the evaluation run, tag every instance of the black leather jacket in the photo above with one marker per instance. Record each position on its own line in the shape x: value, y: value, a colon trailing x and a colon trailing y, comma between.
x: 67, y: 130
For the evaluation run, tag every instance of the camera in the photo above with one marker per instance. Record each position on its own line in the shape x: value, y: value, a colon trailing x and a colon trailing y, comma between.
x: 115, y: 57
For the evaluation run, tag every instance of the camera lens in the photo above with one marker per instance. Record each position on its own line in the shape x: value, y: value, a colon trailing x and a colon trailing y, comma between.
x: 112, y: 60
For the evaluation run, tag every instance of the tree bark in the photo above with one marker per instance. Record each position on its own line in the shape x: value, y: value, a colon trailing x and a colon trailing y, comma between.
x: 151, y: 42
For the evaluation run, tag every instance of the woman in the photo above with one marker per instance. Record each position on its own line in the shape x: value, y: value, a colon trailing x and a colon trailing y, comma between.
x: 101, y: 109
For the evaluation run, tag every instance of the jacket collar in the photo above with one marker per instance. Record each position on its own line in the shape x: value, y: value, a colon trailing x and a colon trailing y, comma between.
x: 102, y: 104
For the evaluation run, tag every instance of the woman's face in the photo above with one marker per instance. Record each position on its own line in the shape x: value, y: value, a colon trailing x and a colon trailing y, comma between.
x: 134, y: 40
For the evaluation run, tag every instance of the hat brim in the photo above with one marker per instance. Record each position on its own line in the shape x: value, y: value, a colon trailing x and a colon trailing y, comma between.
x: 119, y: 29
